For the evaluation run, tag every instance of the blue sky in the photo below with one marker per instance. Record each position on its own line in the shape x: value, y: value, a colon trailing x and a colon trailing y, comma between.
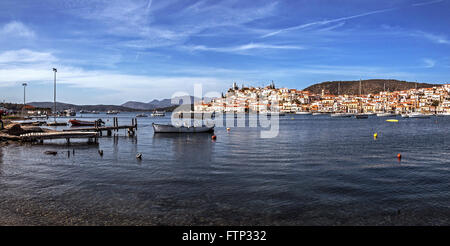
x: 112, y: 51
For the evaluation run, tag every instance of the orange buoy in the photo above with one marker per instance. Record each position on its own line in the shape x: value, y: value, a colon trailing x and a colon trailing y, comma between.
x: 213, y: 137
x: 228, y: 129
x: 399, y: 156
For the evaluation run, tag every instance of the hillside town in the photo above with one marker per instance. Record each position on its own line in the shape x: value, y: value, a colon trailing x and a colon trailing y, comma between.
x: 435, y: 100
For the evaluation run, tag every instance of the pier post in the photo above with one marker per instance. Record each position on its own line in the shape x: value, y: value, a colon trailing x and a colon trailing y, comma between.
x: 109, y: 133
x: 68, y: 141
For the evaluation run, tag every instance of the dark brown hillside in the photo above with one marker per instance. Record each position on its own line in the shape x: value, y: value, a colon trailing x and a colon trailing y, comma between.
x: 371, y: 86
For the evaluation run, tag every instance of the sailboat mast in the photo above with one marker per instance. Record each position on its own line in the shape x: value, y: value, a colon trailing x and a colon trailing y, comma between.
x: 359, y: 86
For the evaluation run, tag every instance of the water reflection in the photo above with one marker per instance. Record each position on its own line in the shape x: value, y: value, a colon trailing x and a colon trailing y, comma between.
x: 186, y: 147
x: 313, y: 169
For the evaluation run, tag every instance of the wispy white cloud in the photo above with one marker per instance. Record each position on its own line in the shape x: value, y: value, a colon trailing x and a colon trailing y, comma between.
x: 115, y: 87
x: 16, y: 28
x: 429, y: 63
x: 440, y: 39
x: 426, y: 3
x: 150, y: 24
x: 34, y: 67
x: 324, y: 22
x: 246, y: 47
x: 25, y: 56
x: 396, y: 30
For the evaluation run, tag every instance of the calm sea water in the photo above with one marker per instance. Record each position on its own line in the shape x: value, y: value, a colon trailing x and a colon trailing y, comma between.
x: 318, y: 171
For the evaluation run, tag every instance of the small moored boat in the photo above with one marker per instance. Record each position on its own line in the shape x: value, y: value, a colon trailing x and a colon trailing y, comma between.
x: 86, y: 123
x: 112, y: 112
x: 361, y: 116
x: 386, y: 115
x: 56, y: 123
x: 418, y: 115
x: 318, y: 113
x: 158, y: 113
x: 160, y: 128
x: 341, y: 115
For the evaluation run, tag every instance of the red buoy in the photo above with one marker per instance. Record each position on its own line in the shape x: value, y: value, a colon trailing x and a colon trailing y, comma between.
x: 213, y: 137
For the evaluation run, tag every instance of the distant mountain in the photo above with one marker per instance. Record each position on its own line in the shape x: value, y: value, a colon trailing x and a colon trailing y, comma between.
x: 164, y: 104
x: 63, y: 106
x: 137, y: 105
x: 371, y: 86
x: 156, y: 104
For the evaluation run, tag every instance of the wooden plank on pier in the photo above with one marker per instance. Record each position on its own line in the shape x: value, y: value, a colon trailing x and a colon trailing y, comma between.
x: 102, y: 128
x: 57, y: 135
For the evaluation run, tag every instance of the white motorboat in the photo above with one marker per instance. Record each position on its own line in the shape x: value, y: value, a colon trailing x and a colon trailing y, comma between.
x: 160, y: 128
x: 318, y: 113
x: 141, y: 115
x: 405, y: 115
x: 303, y: 112
x: 341, y: 115
x: 70, y: 112
x: 112, y: 112
x: 158, y: 114
x: 418, y: 115
x: 386, y: 115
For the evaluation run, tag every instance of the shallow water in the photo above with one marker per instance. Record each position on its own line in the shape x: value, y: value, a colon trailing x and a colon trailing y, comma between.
x: 318, y: 171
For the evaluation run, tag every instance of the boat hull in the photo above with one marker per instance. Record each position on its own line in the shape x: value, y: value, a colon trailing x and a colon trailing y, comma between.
x: 386, y: 115
x: 361, y: 116
x: 158, y: 128
x: 81, y: 123
x: 341, y: 115
x: 423, y: 116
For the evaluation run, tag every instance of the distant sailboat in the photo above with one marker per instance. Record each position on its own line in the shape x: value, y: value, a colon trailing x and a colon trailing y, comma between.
x: 360, y: 115
x: 384, y: 113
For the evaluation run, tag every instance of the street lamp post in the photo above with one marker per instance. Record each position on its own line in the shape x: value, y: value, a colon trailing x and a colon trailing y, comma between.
x: 24, y: 86
x: 54, y: 93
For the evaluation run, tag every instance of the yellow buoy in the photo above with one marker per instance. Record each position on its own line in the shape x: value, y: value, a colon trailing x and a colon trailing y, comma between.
x: 392, y: 120
x: 375, y: 135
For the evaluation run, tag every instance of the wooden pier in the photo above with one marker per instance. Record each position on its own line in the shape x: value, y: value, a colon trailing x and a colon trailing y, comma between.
x: 41, y: 136
x: 109, y: 129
